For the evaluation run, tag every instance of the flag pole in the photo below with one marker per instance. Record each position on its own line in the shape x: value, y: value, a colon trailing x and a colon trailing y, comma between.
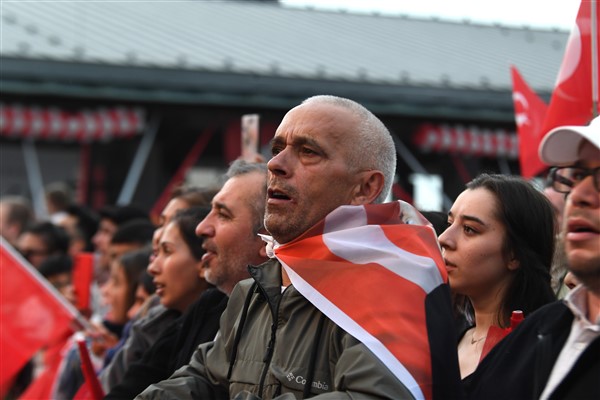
x: 594, y: 42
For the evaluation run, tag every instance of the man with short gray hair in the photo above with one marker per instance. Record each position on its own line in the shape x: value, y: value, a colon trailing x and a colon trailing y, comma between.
x: 287, y: 334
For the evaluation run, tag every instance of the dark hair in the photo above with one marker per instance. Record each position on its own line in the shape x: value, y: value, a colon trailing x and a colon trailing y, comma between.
x: 147, y: 281
x: 56, y: 264
x: 55, y: 238
x: 438, y: 219
x: 194, y: 196
x: 187, y: 220
x: 136, y: 231
x: 528, y: 218
x: 87, y: 223
x: 59, y: 195
x: 122, y: 214
x: 134, y: 265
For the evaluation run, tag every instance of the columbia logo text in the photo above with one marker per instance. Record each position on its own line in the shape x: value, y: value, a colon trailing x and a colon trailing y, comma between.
x: 301, y: 380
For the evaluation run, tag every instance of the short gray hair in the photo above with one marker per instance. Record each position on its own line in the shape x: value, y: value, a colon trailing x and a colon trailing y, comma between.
x: 257, y: 203
x: 375, y: 149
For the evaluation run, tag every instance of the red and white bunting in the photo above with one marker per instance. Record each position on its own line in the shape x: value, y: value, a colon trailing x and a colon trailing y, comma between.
x: 472, y: 140
x: 55, y: 124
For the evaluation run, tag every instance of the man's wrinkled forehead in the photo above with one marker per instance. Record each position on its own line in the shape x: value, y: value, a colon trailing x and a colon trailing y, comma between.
x: 315, y: 124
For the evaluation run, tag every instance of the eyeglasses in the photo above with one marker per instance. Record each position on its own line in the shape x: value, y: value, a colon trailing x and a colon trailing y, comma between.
x: 564, y: 179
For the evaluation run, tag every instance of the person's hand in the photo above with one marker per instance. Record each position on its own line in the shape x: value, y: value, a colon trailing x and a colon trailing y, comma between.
x: 101, y: 340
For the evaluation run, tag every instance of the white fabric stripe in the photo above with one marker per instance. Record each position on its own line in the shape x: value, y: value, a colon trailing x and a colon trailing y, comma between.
x: 347, y: 236
x: 354, y: 329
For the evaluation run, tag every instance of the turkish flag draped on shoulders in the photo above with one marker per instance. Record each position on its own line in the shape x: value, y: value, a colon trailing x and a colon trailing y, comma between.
x: 530, y: 112
x: 572, y: 98
x: 385, y: 283
x: 33, y: 314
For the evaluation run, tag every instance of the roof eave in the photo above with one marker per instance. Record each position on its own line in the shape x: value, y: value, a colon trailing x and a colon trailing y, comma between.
x: 160, y: 85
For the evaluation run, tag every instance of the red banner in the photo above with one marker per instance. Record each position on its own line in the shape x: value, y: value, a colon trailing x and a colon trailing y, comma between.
x: 83, y: 275
x: 32, y: 313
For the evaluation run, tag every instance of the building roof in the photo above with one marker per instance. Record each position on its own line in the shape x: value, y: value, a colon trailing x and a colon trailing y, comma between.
x: 246, y: 53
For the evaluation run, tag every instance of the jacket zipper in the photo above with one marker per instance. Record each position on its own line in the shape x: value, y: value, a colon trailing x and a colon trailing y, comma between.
x: 267, y: 359
x: 271, y: 345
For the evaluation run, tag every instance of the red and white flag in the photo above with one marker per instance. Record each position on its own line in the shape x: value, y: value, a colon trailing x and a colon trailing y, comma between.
x: 572, y: 98
x: 32, y: 313
x: 530, y: 112
x: 383, y: 282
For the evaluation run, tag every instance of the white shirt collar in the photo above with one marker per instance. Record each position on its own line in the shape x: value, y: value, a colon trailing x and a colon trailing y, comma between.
x: 271, y: 244
x: 576, y: 300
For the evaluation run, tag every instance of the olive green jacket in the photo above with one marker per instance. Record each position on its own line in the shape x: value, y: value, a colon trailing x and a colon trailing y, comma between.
x: 280, y: 345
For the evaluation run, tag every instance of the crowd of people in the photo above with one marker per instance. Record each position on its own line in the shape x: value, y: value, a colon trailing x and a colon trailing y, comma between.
x: 235, y: 293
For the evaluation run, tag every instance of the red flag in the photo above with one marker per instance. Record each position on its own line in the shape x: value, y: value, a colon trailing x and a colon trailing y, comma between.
x: 371, y: 275
x: 33, y: 313
x: 42, y: 387
x: 91, y: 388
x: 571, y: 102
x: 530, y: 111
x: 83, y: 275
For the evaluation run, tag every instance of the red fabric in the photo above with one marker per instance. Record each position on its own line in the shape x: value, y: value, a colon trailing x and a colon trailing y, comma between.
x: 343, y: 266
x: 84, y: 393
x: 43, y: 385
x: 91, y: 389
x: 571, y: 102
x: 496, y: 334
x: 530, y: 112
x: 83, y: 274
x: 32, y: 314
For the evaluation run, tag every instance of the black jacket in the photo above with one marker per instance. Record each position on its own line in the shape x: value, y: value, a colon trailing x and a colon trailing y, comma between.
x: 175, y: 346
x: 519, y: 366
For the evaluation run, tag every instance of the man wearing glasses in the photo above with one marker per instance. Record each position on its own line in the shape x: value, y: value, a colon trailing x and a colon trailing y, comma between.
x: 555, y: 352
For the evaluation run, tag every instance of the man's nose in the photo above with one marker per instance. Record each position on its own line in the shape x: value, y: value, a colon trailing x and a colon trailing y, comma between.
x: 279, y: 163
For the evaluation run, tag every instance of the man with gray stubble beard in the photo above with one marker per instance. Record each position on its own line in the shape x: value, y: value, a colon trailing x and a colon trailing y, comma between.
x: 273, y: 343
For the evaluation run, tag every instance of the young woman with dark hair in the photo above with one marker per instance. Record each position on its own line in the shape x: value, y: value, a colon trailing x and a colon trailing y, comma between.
x: 498, y: 249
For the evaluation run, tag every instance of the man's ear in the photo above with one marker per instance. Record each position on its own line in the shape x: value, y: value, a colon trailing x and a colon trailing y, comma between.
x: 368, y: 188
x: 263, y: 250
x: 200, y: 270
x: 262, y: 245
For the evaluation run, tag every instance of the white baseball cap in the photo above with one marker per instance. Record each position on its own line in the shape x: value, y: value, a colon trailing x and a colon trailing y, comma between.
x: 561, y: 145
